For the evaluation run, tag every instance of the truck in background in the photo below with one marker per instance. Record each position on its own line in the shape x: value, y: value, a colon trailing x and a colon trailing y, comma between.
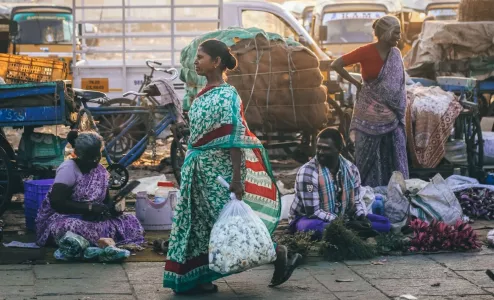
x: 341, y: 26
x: 442, y: 9
x: 130, y: 37
x: 44, y: 31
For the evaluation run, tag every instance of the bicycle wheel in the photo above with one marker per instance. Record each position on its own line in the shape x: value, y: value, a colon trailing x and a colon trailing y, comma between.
x: 109, y: 127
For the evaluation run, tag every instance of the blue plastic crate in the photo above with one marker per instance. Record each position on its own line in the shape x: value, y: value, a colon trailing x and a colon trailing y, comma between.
x: 34, y: 193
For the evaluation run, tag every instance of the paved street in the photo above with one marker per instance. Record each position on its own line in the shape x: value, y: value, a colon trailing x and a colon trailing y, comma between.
x: 431, y: 277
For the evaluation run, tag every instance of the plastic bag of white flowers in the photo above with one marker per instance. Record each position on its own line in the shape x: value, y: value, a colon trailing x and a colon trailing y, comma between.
x: 239, y: 240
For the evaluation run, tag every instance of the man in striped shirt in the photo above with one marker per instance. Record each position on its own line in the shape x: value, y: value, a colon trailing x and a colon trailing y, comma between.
x: 326, y: 187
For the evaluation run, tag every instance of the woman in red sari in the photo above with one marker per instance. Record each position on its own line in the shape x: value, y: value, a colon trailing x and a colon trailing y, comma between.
x: 379, y: 115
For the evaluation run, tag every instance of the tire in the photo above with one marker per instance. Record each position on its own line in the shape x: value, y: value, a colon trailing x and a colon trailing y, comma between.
x: 6, y: 177
x: 108, y: 127
x: 119, y: 176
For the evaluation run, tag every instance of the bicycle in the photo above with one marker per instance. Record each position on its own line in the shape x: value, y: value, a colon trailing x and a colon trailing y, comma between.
x: 109, y: 125
x: 142, y: 113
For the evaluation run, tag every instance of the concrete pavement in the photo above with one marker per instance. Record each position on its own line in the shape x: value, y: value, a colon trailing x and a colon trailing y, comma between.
x: 428, y: 277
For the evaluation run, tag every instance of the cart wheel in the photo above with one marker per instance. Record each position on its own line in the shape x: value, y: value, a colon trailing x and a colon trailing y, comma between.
x: 109, y: 127
x: 119, y: 176
x: 178, y: 150
x: 6, y: 177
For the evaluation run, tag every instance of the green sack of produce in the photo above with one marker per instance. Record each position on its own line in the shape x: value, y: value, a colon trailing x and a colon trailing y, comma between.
x: 279, y: 80
x: 113, y: 254
x: 93, y: 253
x: 230, y: 36
x: 71, y: 246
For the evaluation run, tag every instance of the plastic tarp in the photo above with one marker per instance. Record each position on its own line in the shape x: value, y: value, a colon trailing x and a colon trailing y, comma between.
x: 456, y: 48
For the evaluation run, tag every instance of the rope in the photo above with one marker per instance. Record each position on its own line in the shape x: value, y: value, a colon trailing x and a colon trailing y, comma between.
x: 258, y: 59
x: 290, y: 61
x: 269, y: 80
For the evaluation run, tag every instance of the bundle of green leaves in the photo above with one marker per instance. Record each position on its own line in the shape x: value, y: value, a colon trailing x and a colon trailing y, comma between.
x: 300, y: 242
x: 392, y: 242
x: 341, y: 243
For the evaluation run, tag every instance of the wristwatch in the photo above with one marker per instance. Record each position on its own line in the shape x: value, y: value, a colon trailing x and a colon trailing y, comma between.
x: 90, y: 206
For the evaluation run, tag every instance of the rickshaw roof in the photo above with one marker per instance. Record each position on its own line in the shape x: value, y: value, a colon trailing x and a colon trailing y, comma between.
x: 298, y: 6
x: 417, y: 5
x: 390, y: 5
x: 430, y: 3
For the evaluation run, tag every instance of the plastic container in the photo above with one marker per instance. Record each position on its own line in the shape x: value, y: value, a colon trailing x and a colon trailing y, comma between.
x: 156, y: 216
x: 21, y: 69
x: 162, y: 191
x: 378, y: 205
x: 34, y: 193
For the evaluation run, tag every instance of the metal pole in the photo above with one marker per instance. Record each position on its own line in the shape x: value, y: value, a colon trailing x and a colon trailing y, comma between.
x: 75, y: 26
x: 172, y: 25
x: 124, y: 56
x: 220, y: 7
x: 83, y: 36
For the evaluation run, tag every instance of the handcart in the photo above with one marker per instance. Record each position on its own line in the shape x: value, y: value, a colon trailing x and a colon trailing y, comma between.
x: 467, y: 128
x: 32, y: 105
x: 29, y: 106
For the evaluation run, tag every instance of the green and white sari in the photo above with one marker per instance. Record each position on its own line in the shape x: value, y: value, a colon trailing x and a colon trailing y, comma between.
x: 217, y: 124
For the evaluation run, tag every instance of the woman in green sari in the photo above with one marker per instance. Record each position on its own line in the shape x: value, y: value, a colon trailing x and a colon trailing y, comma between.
x: 220, y: 144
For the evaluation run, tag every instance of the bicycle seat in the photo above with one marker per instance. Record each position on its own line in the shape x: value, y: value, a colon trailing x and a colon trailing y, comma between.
x: 88, y: 95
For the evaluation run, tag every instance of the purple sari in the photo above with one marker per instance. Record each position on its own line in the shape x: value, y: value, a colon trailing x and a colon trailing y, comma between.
x: 379, y: 124
x: 91, y: 187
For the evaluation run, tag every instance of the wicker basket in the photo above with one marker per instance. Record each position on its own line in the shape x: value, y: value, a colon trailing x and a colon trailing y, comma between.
x: 476, y: 10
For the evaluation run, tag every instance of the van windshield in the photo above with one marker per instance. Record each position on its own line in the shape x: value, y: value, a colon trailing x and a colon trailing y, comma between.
x: 443, y: 14
x: 44, y: 28
x: 351, y: 27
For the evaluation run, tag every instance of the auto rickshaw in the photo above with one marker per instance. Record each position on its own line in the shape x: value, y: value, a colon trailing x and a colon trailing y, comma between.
x: 343, y: 25
x: 442, y: 9
x: 302, y: 11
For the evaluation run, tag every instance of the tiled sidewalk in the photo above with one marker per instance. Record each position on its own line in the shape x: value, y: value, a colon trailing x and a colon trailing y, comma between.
x: 443, y: 276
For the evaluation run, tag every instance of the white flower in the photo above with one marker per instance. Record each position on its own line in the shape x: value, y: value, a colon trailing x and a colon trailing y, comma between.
x: 239, y: 242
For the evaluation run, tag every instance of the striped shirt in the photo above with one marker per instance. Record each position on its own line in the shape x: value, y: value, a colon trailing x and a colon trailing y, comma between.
x: 307, y: 200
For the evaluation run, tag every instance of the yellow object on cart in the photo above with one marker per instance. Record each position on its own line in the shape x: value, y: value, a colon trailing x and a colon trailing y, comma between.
x: 24, y: 69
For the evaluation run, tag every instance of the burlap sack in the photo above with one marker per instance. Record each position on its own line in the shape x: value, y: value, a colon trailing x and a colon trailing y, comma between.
x: 273, y: 57
x: 302, y: 79
x: 283, y: 97
x: 281, y: 115
x: 280, y: 86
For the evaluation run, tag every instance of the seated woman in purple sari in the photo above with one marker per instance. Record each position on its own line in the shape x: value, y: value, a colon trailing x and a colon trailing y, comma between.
x: 79, y: 200
x: 379, y: 115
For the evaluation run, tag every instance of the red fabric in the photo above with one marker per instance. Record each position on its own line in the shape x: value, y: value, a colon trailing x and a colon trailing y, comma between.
x: 270, y: 193
x: 182, y: 269
x: 370, y: 61
x: 217, y: 133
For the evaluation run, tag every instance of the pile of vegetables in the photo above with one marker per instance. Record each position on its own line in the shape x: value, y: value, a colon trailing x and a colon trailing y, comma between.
x: 300, y: 242
x: 340, y: 243
x: 477, y: 203
x: 438, y: 236
x: 392, y: 242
